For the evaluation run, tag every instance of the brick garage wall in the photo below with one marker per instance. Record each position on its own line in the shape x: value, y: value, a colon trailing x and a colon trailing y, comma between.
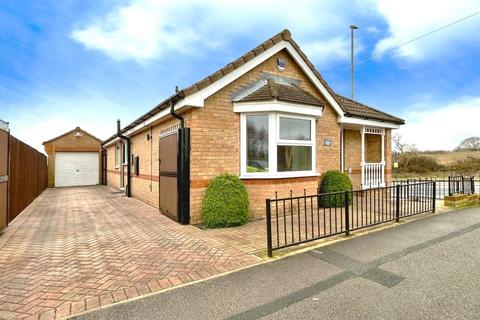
x: 216, y: 136
x: 71, y: 143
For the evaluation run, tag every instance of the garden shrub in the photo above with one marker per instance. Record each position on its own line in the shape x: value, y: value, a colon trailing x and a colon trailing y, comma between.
x: 418, y: 164
x: 226, y: 202
x: 334, y: 181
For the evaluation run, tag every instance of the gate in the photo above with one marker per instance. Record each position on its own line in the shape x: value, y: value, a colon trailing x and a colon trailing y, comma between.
x: 4, y: 143
x: 174, y: 174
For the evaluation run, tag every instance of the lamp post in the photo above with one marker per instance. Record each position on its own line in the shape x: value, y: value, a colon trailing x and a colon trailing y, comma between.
x: 352, y: 29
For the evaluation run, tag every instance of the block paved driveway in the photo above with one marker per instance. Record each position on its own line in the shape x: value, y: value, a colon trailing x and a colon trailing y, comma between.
x: 75, y: 249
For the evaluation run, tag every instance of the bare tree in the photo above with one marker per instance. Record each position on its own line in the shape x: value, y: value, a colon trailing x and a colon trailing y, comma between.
x: 401, y: 146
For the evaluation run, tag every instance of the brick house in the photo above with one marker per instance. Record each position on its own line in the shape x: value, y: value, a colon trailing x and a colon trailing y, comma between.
x: 268, y: 117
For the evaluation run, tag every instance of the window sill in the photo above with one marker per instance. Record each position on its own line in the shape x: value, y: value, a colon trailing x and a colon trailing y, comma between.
x: 279, y: 175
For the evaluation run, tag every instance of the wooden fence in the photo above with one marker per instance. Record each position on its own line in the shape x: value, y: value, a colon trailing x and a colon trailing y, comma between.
x: 24, y: 172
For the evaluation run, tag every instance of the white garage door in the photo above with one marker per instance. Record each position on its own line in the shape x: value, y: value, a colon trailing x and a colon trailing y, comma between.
x: 76, y: 169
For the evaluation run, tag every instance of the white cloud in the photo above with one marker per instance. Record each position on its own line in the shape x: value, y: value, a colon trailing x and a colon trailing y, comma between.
x: 332, y: 50
x: 442, y: 127
x: 147, y: 29
x: 61, y: 114
x: 409, y: 19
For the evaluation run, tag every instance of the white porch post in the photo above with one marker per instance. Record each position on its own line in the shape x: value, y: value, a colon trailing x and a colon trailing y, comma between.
x: 383, y: 158
x: 362, y: 164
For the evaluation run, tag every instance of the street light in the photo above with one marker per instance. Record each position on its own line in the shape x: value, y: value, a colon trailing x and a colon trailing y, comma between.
x: 352, y: 29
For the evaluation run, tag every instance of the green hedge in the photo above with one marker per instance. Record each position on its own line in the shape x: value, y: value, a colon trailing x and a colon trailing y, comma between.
x: 334, y: 181
x: 226, y: 202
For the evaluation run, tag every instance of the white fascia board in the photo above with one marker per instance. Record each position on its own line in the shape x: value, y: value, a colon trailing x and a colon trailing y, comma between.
x: 366, y: 122
x: 109, y: 143
x: 276, y: 106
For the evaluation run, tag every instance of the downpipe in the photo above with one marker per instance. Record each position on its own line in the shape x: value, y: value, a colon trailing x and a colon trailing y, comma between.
x: 128, y: 192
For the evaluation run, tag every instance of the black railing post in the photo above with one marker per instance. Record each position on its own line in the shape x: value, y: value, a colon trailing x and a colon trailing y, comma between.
x: 434, y: 196
x: 397, y: 204
x: 347, y: 215
x: 269, y: 228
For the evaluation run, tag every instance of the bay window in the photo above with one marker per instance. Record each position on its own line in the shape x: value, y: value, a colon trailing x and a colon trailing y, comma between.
x: 277, y: 145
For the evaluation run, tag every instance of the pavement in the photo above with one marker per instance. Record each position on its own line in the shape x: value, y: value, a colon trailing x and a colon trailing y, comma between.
x: 77, y: 249
x: 424, y: 269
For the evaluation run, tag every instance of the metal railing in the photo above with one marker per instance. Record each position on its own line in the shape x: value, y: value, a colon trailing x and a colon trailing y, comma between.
x: 373, y: 175
x: 443, y: 186
x: 298, y: 219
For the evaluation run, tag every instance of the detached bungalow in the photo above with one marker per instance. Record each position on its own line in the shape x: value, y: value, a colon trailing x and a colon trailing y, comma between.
x: 268, y: 117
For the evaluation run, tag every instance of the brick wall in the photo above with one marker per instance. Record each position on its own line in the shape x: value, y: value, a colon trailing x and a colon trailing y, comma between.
x: 216, y: 135
x: 71, y: 143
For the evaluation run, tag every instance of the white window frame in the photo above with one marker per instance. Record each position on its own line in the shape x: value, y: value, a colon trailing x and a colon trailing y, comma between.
x: 273, y: 141
x: 125, y: 154
x: 117, y: 155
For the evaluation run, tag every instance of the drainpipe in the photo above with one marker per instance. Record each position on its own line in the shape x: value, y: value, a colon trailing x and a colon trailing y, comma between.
x: 127, y: 141
x: 176, y: 115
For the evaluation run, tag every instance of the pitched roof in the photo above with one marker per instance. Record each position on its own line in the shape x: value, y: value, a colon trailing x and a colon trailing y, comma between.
x: 285, y: 35
x: 354, y: 108
x: 282, y: 92
x: 71, y: 131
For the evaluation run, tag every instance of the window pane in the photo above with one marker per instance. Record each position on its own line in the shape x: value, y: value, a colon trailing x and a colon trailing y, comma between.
x: 295, y: 129
x: 294, y: 158
x: 257, y: 143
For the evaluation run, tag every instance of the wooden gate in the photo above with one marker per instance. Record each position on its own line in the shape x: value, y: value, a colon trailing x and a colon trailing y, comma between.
x: 4, y: 139
x: 174, y: 174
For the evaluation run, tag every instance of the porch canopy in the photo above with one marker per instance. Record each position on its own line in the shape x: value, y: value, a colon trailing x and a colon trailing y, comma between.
x: 372, y: 124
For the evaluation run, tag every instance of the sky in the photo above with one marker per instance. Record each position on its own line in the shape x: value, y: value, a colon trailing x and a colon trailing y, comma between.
x: 86, y: 63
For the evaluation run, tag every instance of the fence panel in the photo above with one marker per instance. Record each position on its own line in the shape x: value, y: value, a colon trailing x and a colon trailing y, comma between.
x: 298, y: 219
x: 4, y: 134
x: 28, y: 176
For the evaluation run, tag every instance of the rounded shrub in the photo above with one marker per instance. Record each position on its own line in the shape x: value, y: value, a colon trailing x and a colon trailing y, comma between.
x: 226, y: 202
x: 334, y: 181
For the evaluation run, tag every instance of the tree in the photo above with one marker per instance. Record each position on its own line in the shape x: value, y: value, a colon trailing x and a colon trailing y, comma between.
x: 470, y: 144
x: 401, y: 146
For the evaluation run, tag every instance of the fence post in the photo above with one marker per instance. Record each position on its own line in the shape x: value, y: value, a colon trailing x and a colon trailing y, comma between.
x: 347, y: 215
x: 434, y: 196
x: 269, y: 228
x: 397, y: 204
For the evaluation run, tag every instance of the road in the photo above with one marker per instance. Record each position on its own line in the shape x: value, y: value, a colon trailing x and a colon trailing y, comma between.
x: 425, y: 269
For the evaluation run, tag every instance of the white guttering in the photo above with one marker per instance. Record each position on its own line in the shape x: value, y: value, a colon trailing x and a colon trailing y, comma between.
x: 367, y: 122
x: 277, y: 106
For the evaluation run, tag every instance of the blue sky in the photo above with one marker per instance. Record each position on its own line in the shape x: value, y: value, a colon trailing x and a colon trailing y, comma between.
x: 86, y: 63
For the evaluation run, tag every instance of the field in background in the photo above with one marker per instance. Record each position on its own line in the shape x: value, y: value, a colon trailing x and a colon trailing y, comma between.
x: 448, y: 163
x: 448, y: 157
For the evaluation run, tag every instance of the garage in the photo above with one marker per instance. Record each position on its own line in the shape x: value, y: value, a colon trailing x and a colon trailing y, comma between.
x: 76, y: 169
x: 74, y: 159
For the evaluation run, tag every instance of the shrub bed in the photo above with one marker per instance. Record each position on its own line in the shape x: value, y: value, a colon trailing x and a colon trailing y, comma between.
x: 334, y: 181
x: 226, y: 202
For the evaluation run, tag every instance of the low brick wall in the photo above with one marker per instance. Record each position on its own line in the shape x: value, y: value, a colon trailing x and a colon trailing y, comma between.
x: 462, y: 200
